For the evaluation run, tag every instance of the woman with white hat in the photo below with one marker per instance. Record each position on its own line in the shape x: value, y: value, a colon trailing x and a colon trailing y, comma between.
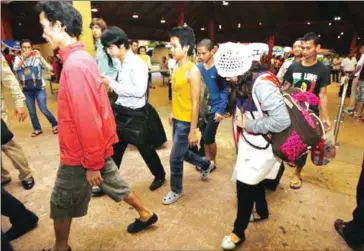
x: 261, y: 110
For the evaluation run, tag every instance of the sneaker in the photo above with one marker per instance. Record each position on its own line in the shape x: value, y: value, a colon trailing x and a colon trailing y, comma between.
x: 205, y: 173
x: 171, y: 198
x: 349, y: 111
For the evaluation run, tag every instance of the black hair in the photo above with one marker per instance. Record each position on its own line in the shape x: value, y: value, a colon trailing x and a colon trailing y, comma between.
x: 133, y: 41
x: 65, y: 13
x: 25, y: 41
x: 243, y: 88
x: 114, y: 36
x: 142, y: 47
x: 207, y: 43
x: 186, y: 37
x: 6, y: 51
x: 311, y: 36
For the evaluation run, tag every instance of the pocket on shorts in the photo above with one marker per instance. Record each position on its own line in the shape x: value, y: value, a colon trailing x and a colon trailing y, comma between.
x: 66, y: 198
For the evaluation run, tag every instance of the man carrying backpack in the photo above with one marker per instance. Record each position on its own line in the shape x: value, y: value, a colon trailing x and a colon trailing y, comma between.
x: 312, y: 76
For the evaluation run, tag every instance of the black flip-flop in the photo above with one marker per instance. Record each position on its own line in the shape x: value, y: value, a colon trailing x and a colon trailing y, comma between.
x: 35, y: 134
x: 139, y: 225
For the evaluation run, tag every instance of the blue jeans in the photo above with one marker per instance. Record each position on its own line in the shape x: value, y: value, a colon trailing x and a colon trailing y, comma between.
x: 180, y: 152
x: 41, y: 97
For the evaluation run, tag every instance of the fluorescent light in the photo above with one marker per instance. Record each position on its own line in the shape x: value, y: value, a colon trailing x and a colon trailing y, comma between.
x: 94, y: 10
x: 330, y: 24
x: 339, y: 18
x: 225, y: 3
x: 308, y: 23
x: 358, y: 38
x: 163, y: 20
x: 338, y: 37
x: 260, y: 23
x: 135, y: 15
x: 319, y: 35
x: 342, y: 33
x: 220, y: 27
x: 202, y: 28
x: 184, y: 25
x: 239, y: 25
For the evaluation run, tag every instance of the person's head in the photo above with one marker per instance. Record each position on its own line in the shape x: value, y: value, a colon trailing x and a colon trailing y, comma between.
x: 205, y: 50
x: 182, y: 40
x: 61, y: 22
x: 26, y: 46
x: 134, y: 44
x: 116, y: 42
x: 142, y: 50
x: 170, y: 56
x: 6, y: 51
x: 297, y: 48
x: 164, y: 59
x: 361, y: 50
x: 310, y: 45
x: 97, y: 25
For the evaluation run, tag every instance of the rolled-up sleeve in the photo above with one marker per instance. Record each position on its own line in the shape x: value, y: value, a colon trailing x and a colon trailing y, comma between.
x: 271, y: 101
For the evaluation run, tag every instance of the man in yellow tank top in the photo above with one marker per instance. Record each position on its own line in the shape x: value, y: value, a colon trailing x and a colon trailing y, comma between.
x: 185, y: 109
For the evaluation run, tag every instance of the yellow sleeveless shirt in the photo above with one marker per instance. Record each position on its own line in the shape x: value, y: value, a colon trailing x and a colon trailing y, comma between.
x: 181, y: 94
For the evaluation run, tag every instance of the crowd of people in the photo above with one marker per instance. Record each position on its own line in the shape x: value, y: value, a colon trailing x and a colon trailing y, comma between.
x: 114, y: 87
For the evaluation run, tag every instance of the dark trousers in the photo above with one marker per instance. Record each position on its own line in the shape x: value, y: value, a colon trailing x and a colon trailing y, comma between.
x: 149, y: 155
x: 170, y: 90
x: 354, y: 231
x: 247, y: 195
x: 335, y: 76
x: 348, y: 92
x: 18, y: 215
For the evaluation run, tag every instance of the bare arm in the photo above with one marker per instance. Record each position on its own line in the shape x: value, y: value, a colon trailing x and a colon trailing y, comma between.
x: 323, y: 106
x: 286, y: 85
x: 194, y: 80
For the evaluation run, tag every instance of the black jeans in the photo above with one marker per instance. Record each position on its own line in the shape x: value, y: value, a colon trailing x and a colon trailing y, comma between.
x: 348, y: 92
x: 149, y: 155
x: 354, y: 231
x: 18, y: 215
x: 247, y: 195
x: 335, y: 76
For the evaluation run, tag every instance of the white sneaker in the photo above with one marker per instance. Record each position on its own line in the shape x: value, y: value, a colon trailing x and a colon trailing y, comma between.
x: 171, y: 198
x: 205, y: 173
x: 227, y: 243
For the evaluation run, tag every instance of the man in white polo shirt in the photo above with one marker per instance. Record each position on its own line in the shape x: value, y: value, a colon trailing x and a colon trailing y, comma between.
x: 348, y: 66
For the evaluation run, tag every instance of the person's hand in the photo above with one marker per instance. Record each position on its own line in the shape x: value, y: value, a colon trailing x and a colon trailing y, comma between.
x: 240, y: 119
x: 37, y: 54
x: 192, y: 139
x: 170, y: 120
x: 218, y: 117
x: 94, y: 177
x: 327, y: 124
x: 20, y: 114
x: 105, y: 80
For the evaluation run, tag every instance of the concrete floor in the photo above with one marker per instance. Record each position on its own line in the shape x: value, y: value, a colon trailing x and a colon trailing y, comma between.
x: 299, y: 219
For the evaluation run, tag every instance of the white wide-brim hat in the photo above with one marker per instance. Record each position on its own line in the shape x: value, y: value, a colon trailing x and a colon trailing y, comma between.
x: 233, y: 59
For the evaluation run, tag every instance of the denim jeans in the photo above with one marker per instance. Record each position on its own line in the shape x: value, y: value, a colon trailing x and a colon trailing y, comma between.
x: 180, y: 152
x: 41, y: 97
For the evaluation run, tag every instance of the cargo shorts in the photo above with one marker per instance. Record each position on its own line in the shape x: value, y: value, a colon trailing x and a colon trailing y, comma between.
x: 360, y: 91
x: 71, y: 193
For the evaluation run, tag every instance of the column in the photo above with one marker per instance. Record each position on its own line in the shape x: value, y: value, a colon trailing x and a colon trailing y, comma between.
x: 84, y: 7
x: 6, y: 30
x: 353, y: 42
x: 271, y: 45
x: 181, y: 14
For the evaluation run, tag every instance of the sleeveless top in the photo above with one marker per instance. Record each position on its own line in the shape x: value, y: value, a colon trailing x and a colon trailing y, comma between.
x: 181, y: 91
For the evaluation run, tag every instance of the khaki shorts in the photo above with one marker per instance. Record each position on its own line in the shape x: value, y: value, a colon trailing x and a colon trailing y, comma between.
x: 71, y: 193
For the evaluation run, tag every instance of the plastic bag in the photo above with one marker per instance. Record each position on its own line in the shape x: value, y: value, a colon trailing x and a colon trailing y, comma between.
x: 325, y: 151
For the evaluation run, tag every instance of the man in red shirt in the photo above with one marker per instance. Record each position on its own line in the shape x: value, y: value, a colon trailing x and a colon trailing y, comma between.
x: 87, y: 129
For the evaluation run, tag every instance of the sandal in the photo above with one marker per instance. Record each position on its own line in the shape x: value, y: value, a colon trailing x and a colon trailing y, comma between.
x: 36, y: 133
x: 55, y: 130
x: 253, y: 217
x: 171, y: 198
x: 296, y: 184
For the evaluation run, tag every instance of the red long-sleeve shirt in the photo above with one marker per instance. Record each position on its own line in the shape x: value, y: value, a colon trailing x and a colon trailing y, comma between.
x: 87, y: 129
